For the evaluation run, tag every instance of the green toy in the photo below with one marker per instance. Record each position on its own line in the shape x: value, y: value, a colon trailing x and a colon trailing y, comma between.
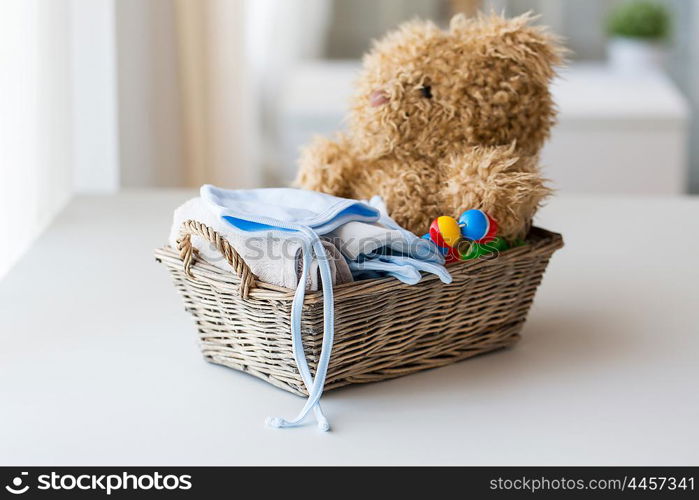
x: 476, y: 250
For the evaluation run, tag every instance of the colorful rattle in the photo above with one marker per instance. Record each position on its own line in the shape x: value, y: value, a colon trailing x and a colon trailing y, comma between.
x: 477, y: 226
x: 474, y: 226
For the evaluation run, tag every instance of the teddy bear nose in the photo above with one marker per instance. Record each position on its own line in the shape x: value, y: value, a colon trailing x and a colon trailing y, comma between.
x: 377, y: 98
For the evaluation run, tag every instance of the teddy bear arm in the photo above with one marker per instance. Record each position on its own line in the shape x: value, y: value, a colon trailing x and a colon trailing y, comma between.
x: 328, y: 166
x: 507, y: 186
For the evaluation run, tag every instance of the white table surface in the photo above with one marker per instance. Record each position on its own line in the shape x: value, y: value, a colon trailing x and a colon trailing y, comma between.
x: 99, y: 364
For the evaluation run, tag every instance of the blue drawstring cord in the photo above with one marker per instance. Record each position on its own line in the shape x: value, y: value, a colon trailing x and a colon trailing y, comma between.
x: 311, y: 245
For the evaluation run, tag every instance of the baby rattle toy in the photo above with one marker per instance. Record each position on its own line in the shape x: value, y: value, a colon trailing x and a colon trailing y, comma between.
x: 474, y: 227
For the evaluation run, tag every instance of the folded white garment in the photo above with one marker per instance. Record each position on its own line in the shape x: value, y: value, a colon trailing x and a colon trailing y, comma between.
x: 361, y: 238
x: 383, y: 248
x: 273, y: 260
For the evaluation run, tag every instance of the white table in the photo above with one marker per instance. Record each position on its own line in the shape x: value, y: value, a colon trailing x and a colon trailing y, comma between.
x: 99, y: 364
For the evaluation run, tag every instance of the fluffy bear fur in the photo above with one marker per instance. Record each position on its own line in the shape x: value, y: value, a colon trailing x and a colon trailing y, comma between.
x: 471, y: 141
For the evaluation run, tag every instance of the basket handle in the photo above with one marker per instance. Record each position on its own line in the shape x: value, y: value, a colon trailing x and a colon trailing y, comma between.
x: 187, y: 253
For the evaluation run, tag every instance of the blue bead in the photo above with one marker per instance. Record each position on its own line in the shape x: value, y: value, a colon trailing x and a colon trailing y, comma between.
x: 474, y: 224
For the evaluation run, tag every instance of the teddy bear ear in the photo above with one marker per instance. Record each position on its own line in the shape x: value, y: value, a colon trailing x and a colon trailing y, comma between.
x: 511, y: 38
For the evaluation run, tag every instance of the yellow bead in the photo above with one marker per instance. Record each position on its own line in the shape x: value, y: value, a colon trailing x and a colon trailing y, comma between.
x: 449, y: 230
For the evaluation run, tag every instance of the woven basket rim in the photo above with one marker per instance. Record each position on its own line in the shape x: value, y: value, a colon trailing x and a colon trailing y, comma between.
x: 537, y: 239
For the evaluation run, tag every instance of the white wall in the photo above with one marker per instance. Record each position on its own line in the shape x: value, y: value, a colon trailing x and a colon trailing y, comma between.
x: 94, y: 94
x: 684, y: 68
x: 354, y: 24
x: 36, y: 126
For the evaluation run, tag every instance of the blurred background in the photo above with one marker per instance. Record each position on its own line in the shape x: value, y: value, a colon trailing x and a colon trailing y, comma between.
x: 102, y: 95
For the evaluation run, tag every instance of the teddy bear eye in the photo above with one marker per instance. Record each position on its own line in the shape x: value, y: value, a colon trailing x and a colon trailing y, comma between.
x: 426, y: 91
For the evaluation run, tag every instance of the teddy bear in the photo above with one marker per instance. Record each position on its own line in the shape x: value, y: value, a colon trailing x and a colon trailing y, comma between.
x: 446, y: 120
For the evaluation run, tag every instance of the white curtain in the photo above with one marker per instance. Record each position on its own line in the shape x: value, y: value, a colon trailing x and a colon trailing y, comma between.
x: 186, y: 111
x: 35, y: 122
x: 219, y: 114
x: 199, y: 82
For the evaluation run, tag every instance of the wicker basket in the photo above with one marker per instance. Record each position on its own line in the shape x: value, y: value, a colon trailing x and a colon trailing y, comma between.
x: 383, y: 328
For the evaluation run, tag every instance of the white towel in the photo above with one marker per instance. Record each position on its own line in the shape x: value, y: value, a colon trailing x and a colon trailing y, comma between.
x: 272, y: 260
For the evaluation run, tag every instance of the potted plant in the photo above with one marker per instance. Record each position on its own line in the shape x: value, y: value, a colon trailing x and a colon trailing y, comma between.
x: 637, y: 30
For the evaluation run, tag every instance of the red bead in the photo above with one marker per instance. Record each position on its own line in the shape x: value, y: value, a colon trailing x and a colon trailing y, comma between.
x: 436, y: 235
x: 492, y: 230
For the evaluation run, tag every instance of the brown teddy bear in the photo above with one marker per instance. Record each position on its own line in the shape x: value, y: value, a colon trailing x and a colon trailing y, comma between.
x: 443, y: 121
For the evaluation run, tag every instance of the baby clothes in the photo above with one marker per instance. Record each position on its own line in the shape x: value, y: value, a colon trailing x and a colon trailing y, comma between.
x: 384, y: 248
x: 272, y: 259
x: 330, y: 237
